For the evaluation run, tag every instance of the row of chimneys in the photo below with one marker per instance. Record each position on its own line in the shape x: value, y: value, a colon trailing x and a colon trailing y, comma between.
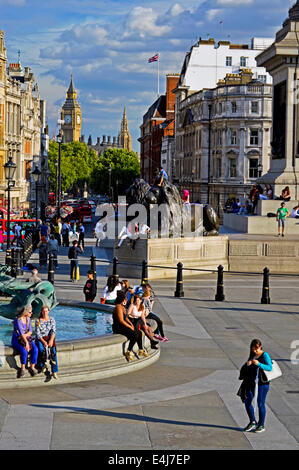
x: 104, y: 141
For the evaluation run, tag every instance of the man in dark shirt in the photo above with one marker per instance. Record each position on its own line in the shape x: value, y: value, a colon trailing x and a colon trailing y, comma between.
x: 73, y: 254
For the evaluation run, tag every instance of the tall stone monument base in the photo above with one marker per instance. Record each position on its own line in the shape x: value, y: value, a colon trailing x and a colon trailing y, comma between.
x: 281, y: 61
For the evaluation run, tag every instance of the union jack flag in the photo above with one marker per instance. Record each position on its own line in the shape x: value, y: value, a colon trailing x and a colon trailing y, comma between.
x: 155, y: 58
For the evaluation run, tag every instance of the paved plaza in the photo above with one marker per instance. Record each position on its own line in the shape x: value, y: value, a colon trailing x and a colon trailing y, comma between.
x: 185, y: 401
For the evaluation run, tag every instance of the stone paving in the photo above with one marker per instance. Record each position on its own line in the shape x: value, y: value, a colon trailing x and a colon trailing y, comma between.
x: 185, y: 401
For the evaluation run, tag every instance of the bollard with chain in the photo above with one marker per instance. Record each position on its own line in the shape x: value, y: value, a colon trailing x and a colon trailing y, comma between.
x: 144, y: 275
x: 93, y: 266
x: 179, y: 292
x: 13, y: 263
x: 51, y: 269
x: 115, y: 267
x: 220, y: 288
x: 266, y: 288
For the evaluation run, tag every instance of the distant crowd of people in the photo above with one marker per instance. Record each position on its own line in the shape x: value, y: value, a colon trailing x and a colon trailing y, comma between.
x: 257, y: 192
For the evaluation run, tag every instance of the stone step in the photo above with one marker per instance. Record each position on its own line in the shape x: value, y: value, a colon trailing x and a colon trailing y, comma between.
x: 258, y: 225
x: 109, y: 368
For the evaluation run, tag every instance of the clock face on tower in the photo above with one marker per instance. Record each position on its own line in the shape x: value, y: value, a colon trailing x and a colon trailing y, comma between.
x: 78, y: 119
x: 67, y: 119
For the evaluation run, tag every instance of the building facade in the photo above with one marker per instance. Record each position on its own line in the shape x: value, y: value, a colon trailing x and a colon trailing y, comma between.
x: 71, y: 115
x: 222, y: 142
x: 3, y: 60
x: 20, y: 130
x: 207, y: 62
x: 157, y: 131
x: 123, y: 141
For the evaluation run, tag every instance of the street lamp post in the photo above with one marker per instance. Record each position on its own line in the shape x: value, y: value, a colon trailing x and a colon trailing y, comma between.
x: 9, y: 168
x: 110, y: 171
x: 36, y: 176
x: 59, y: 140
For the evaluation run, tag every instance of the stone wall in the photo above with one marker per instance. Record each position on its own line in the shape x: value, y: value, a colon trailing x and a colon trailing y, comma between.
x: 199, y: 253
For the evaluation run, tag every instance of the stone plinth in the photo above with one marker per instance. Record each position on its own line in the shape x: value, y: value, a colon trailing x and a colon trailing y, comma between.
x: 279, y: 255
x: 199, y: 252
x: 259, y: 225
x: 264, y: 206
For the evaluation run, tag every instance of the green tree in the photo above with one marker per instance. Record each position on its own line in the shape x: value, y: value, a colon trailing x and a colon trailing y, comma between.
x: 77, y: 164
x: 125, y: 167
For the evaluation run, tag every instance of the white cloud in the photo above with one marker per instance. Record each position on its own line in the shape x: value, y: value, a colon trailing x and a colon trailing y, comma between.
x: 234, y: 2
x: 176, y: 10
x: 143, y: 21
x: 211, y: 14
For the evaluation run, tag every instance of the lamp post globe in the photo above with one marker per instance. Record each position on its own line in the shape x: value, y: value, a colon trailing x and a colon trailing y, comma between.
x: 10, y: 169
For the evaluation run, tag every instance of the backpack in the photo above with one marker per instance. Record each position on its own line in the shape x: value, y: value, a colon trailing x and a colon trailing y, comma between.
x: 71, y: 253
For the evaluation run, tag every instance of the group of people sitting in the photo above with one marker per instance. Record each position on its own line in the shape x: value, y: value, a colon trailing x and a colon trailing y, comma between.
x: 257, y: 192
x: 133, y: 307
x: 39, y: 349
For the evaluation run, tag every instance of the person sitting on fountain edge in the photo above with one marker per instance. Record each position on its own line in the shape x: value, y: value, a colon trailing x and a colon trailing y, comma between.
x: 123, y: 326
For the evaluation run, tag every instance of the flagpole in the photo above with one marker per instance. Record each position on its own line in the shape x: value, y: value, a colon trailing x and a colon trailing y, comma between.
x: 158, y: 75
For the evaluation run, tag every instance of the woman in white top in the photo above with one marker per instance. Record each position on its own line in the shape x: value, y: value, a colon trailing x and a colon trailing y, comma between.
x: 111, y: 289
x: 136, y: 314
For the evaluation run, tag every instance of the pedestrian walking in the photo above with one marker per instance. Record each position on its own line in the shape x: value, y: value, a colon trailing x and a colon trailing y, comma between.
x: 65, y: 234
x: 255, y: 383
x: 53, y: 249
x: 18, y: 233
x: 73, y: 254
x: 81, y: 235
x: 281, y: 215
x: 42, y: 252
x: 57, y: 231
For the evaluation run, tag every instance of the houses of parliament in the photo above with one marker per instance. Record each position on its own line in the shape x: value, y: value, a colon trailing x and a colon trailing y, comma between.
x: 72, y: 116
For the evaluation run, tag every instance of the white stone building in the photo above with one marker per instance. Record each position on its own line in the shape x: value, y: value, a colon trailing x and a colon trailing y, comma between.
x: 207, y: 62
x: 22, y: 130
x: 223, y: 139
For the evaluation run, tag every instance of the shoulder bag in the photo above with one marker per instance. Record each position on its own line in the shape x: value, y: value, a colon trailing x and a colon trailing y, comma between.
x: 274, y: 373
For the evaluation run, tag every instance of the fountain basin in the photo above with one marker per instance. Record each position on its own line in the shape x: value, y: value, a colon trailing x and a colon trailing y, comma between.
x: 79, y: 360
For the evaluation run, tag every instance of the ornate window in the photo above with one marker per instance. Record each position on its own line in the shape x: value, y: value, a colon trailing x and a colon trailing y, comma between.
x: 232, y: 136
x: 232, y: 167
x: 254, y: 106
x: 253, y: 167
x: 254, y: 137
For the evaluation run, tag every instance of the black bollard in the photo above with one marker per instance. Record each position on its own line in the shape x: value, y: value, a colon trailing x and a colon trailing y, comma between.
x: 179, y: 292
x: 220, y: 288
x: 93, y: 265
x: 51, y: 269
x: 115, y: 267
x: 19, y: 261
x: 8, y: 259
x: 265, y: 295
x: 13, y: 263
x: 144, y: 275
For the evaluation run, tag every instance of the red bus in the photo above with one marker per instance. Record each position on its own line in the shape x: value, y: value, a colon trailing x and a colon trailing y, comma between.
x: 85, y: 211
x: 51, y: 199
x: 24, y: 223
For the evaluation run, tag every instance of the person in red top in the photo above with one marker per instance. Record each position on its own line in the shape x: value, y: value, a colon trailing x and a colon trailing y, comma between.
x: 254, y: 197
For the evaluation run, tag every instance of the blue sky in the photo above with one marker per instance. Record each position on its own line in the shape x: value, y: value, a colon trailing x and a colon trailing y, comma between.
x: 106, y: 44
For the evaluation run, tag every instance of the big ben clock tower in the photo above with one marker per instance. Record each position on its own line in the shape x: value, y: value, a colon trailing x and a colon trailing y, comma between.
x: 71, y: 115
